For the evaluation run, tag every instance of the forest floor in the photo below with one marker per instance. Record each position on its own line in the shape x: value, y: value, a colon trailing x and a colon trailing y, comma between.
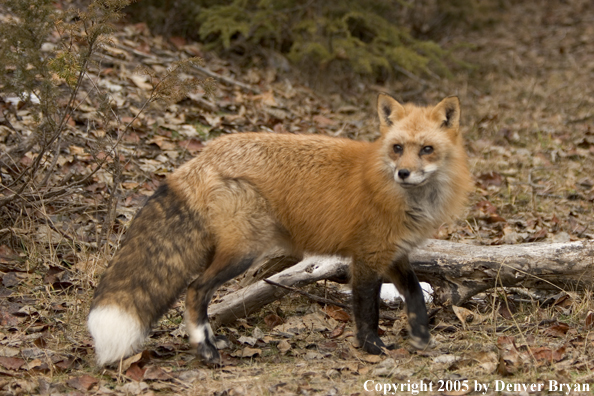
x: 528, y: 120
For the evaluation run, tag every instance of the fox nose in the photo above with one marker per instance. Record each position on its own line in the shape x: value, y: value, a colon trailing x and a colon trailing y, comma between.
x: 403, y: 173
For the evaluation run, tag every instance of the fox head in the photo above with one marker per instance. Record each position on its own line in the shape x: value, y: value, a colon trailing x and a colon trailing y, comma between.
x: 419, y: 142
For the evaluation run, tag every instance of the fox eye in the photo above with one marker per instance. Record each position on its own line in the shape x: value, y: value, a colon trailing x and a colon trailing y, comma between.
x: 398, y: 149
x: 427, y: 150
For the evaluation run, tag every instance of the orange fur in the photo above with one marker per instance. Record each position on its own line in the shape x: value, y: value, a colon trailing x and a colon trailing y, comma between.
x: 332, y: 195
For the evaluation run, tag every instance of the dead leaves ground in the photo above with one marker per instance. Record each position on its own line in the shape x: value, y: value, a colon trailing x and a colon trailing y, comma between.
x: 529, y: 123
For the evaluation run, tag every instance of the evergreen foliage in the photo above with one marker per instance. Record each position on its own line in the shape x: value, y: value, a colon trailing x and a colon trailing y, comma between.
x: 371, y: 38
x: 361, y: 33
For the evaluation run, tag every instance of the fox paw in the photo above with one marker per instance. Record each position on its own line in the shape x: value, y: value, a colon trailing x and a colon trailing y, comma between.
x: 208, y: 353
x: 221, y: 342
x: 421, y: 341
x: 373, y: 345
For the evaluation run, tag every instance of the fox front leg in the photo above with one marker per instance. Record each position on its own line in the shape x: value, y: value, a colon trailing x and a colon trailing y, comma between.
x: 405, y: 280
x: 366, y: 286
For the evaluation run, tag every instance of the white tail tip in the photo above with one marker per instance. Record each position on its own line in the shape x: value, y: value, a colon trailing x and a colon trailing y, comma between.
x: 117, y: 334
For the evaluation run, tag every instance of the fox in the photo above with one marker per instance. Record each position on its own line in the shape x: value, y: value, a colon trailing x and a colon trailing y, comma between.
x: 247, y: 193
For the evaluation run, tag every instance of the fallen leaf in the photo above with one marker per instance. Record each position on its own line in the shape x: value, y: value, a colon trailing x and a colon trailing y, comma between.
x: 508, y: 350
x: 537, y: 236
x: 82, y: 383
x: 247, y: 352
x: 448, y: 359
x: 191, y: 375
x: 7, y: 255
x: 590, y: 320
x: 557, y: 330
x: 399, y: 353
x: 7, y: 319
x: 139, y: 358
x: 135, y: 372
x: 504, y: 311
x: 157, y: 373
x: 251, y: 341
x: 8, y: 351
x: 257, y: 333
x: 338, y: 330
x: 327, y: 346
x: 65, y: 364
x: 133, y: 388
x: 194, y: 146
x: 502, y: 368
x: 162, y: 142
x: 467, y: 316
x: 547, y: 354
x: 51, y: 276
x: 267, y: 98
x: 323, y: 122
x: 490, y: 179
x: 37, y: 365
x: 559, y: 354
x: 374, y: 359
x: 564, y: 301
x: 487, y: 360
x: 11, y: 279
x: 495, y: 218
x: 313, y: 355
x: 11, y: 363
x: 283, y: 347
x: 141, y: 82
x: 35, y: 353
x: 332, y: 373
x: 337, y: 313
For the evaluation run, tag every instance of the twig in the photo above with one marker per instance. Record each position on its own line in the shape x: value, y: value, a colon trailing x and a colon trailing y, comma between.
x: 23, y: 147
x: 226, y: 80
x: 57, y: 129
x: 53, y: 164
x: 204, y: 70
x: 323, y: 300
x: 313, y: 297
x: 204, y: 103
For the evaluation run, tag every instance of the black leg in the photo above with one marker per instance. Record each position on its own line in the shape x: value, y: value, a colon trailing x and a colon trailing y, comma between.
x: 403, y: 276
x: 366, y: 290
x: 199, y: 294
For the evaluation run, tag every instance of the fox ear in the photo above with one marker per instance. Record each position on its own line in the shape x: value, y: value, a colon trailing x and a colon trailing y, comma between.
x: 389, y: 110
x: 447, y: 112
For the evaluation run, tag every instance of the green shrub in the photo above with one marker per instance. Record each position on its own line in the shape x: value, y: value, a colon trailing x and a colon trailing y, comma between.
x: 376, y: 38
x: 363, y: 35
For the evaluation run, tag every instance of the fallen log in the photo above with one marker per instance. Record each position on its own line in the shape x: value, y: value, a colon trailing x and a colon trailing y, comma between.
x: 458, y: 271
x: 241, y: 303
x: 455, y: 271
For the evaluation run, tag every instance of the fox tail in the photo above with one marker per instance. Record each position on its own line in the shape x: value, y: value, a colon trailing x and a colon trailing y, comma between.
x: 164, y: 249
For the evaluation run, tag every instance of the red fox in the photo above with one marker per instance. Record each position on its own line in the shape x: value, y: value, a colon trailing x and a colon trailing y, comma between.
x: 249, y: 192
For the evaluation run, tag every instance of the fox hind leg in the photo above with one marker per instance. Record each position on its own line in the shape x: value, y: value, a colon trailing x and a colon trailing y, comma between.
x: 244, y: 230
x: 199, y: 294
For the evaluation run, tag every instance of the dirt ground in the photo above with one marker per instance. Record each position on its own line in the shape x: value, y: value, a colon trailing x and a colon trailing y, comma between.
x: 528, y: 119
